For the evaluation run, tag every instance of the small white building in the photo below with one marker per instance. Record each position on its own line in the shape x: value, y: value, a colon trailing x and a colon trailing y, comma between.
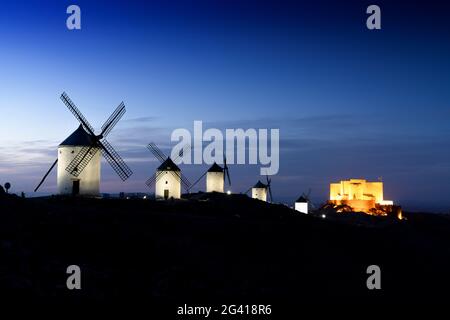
x: 88, y: 181
x: 301, y: 205
x: 215, y: 179
x: 259, y: 191
x: 168, y: 184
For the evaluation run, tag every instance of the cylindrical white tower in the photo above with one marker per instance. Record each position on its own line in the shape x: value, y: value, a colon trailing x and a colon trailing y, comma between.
x: 168, y: 184
x: 214, y: 179
x: 301, y: 205
x: 259, y: 191
x: 88, y: 181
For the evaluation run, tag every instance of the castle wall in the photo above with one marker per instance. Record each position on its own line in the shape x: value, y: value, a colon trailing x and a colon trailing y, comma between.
x: 357, y: 205
x: 357, y: 189
x: 335, y: 190
x: 358, y: 193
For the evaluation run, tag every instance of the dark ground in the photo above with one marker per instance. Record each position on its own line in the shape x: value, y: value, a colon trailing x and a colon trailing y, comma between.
x: 226, y: 249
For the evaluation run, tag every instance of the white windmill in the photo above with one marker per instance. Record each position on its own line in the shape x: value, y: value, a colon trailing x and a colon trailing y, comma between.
x: 215, y: 177
x: 303, y: 203
x: 89, y: 178
x: 168, y: 177
x: 261, y: 190
x: 79, y: 158
x: 168, y: 184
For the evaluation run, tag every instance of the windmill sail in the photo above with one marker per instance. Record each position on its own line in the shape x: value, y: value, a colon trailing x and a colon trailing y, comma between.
x: 113, y: 119
x: 115, y: 161
x: 226, y: 170
x: 269, y: 188
x: 71, y: 106
x: 81, y: 160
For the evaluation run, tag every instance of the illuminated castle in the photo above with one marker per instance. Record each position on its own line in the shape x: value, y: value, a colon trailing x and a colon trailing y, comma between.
x: 359, y: 194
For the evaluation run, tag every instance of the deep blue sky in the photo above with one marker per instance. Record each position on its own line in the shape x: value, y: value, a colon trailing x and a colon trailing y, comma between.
x: 349, y: 102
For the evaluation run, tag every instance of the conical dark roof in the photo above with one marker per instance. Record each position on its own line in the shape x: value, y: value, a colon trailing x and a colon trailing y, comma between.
x: 215, y: 168
x: 302, y: 199
x: 168, y: 165
x: 79, y: 138
x: 259, y: 184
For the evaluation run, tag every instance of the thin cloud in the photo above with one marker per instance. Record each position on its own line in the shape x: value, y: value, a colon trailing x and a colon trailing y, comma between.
x: 140, y: 120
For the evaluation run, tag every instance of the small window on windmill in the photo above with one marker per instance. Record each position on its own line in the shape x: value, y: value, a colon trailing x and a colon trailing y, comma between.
x: 73, y: 151
x: 166, y: 182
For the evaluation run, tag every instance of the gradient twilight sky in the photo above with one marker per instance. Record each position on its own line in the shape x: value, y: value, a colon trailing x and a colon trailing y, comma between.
x: 349, y: 102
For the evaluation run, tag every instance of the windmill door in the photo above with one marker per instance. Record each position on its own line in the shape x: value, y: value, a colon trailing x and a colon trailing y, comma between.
x: 166, y: 194
x: 76, y: 187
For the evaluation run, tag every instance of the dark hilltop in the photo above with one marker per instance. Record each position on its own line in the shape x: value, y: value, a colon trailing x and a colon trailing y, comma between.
x: 215, y: 248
